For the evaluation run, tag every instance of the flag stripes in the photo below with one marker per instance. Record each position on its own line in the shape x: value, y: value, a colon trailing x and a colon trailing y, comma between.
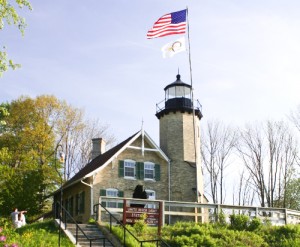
x: 169, y: 24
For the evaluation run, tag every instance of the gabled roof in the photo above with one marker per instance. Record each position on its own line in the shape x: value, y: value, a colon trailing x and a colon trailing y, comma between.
x: 102, y: 160
x: 98, y: 162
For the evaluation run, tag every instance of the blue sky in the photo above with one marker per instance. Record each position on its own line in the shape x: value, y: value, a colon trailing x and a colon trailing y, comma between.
x: 95, y: 55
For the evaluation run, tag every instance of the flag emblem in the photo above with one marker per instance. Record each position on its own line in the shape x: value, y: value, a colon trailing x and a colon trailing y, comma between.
x: 172, y: 48
x: 169, y: 24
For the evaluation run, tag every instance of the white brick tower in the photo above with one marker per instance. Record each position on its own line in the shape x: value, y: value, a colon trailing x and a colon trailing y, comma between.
x: 179, y: 127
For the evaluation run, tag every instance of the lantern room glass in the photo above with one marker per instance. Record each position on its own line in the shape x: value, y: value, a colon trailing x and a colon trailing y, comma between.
x: 178, y: 92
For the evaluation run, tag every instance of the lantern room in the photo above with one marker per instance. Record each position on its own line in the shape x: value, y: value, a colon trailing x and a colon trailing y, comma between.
x: 178, y: 97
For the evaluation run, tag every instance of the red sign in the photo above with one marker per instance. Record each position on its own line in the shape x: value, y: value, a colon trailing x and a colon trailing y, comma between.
x: 133, y: 214
x: 142, y: 210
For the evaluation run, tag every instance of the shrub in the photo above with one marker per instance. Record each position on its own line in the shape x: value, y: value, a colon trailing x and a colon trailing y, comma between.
x: 239, y: 222
x: 92, y: 221
x: 222, y: 219
x: 267, y: 222
x: 255, y: 224
x: 282, y: 236
x: 140, y: 225
x: 130, y: 241
x: 184, y: 241
x: 255, y: 234
x: 210, y: 235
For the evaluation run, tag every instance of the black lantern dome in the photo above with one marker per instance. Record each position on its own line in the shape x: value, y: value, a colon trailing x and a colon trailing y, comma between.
x: 178, y: 97
x: 178, y: 94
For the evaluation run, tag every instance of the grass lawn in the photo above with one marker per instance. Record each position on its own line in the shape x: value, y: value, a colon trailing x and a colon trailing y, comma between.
x: 40, y: 234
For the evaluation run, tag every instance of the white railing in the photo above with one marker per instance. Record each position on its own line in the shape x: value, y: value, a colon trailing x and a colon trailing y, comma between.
x: 174, y: 210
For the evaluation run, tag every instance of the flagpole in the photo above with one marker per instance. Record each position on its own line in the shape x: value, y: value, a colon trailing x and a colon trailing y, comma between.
x: 190, y: 59
x: 192, y: 95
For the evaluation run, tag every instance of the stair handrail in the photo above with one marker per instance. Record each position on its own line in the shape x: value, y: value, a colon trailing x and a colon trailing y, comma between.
x: 42, y: 216
x: 161, y: 241
x: 64, y: 220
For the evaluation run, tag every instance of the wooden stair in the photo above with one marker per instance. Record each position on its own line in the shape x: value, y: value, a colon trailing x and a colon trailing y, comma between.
x: 93, y: 232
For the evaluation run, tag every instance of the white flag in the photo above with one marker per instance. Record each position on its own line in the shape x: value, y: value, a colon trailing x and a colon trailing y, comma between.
x: 170, y: 49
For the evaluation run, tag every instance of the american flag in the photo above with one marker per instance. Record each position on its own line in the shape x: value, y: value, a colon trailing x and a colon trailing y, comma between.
x: 173, y: 23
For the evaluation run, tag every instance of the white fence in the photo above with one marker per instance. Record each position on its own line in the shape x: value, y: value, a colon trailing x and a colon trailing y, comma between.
x: 189, y: 211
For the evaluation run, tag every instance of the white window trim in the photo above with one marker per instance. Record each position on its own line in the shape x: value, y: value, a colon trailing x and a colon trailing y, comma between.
x: 112, y: 203
x: 112, y: 190
x: 151, y: 191
x: 151, y: 205
x: 149, y: 179
x: 134, y: 169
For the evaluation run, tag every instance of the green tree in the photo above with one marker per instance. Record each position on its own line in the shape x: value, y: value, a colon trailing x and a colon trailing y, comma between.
x: 29, y: 141
x: 292, y: 195
x: 3, y: 114
x: 9, y: 15
x: 26, y: 145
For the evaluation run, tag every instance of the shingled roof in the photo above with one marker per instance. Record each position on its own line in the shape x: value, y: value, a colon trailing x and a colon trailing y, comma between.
x: 97, y: 162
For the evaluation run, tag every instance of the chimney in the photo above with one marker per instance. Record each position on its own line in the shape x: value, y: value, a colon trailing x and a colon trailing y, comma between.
x: 98, y: 148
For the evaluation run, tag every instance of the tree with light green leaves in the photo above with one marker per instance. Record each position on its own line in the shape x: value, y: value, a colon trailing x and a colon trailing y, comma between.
x: 29, y: 167
x: 26, y: 146
x: 10, y: 16
x: 3, y: 114
x: 292, y: 199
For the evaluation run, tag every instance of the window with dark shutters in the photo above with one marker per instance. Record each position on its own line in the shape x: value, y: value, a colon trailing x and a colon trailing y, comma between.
x: 127, y: 169
x: 157, y: 172
x: 121, y: 168
x: 103, y: 193
x: 120, y: 194
x: 77, y: 204
x: 140, y: 170
x: 149, y: 171
x: 71, y: 205
x: 81, y: 202
x: 113, y: 193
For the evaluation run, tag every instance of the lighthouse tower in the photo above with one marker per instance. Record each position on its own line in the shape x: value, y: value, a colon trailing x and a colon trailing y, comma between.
x: 179, y: 132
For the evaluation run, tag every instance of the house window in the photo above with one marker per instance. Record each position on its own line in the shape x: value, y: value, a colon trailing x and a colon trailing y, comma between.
x: 129, y: 169
x: 77, y: 204
x: 139, y: 170
x: 80, y: 198
x: 151, y: 196
x: 111, y: 193
x: 149, y: 170
x: 69, y: 206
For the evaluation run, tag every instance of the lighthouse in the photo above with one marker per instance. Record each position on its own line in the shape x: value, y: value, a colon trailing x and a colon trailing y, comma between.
x: 179, y: 135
